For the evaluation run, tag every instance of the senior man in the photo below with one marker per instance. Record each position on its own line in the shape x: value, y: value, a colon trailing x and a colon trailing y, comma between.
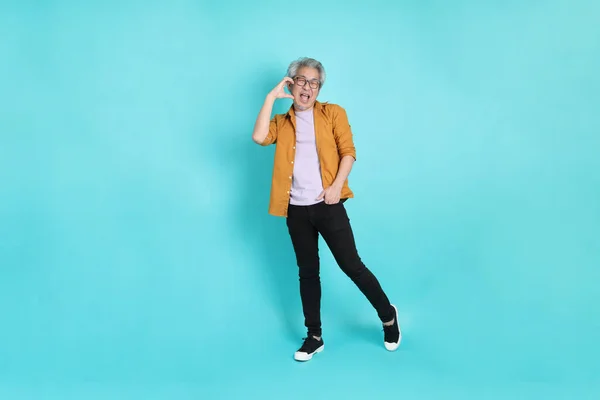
x: 314, y: 155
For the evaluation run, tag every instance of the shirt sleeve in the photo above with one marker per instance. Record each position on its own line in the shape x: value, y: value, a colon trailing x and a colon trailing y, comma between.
x: 272, y: 135
x: 343, y: 133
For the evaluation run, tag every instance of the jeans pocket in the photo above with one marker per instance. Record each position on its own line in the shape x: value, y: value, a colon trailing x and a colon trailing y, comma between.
x: 336, y: 217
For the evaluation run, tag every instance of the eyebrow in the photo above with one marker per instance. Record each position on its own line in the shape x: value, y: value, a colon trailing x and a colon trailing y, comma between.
x: 302, y: 76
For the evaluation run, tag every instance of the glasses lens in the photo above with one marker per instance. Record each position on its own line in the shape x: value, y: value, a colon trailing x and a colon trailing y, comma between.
x: 300, y: 81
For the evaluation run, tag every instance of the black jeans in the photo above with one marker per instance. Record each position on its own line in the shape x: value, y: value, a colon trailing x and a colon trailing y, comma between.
x: 305, y: 223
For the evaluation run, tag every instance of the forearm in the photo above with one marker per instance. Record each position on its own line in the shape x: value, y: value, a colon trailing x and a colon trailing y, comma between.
x: 261, y: 127
x: 343, y: 171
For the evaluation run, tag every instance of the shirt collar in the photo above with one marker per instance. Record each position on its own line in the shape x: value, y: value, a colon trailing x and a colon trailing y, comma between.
x: 317, y: 107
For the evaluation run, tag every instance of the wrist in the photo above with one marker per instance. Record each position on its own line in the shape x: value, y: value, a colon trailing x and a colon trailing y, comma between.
x: 337, y: 185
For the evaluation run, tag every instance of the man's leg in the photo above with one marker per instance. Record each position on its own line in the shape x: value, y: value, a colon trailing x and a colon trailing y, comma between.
x: 305, y: 240
x: 334, y: 225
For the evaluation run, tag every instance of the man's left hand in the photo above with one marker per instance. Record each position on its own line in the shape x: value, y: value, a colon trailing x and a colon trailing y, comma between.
x: 331, y: 194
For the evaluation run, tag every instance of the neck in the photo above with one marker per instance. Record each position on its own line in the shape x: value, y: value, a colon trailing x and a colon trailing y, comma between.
x: 298, y: 108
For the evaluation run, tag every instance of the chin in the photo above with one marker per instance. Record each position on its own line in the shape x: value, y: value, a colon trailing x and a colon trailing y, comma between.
x: 303, y: 107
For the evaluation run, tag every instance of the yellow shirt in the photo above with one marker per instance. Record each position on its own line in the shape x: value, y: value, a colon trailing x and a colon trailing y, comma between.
x: 333, y: 137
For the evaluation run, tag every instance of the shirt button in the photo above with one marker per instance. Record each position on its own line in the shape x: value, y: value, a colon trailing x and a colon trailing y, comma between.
x: 290, y: 177
x: 292, y: 162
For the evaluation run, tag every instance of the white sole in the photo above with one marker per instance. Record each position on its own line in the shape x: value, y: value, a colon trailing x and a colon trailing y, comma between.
x: 394, y: 346
x: 300, y: 356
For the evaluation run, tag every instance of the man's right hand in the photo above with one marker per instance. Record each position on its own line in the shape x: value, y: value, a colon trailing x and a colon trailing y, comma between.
x: 278, y: 91
x: 261, y: 127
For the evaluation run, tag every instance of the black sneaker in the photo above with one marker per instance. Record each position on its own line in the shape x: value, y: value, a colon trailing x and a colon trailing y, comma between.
x: 309, y: 347
x: 392, y: 334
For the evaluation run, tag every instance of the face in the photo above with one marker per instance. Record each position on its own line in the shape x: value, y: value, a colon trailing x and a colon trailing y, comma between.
x: 305, y: 96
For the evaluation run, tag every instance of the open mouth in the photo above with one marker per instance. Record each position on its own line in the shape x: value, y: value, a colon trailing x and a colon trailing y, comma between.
x: 304, y: 97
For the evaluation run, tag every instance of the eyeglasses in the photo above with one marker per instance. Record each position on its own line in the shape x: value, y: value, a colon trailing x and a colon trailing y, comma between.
x: 301, y: 81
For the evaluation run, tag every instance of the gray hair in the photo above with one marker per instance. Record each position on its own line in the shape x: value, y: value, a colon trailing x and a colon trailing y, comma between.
x: 306, y: 62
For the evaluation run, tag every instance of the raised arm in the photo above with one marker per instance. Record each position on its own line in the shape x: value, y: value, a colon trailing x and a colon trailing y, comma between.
x: 264, y: 132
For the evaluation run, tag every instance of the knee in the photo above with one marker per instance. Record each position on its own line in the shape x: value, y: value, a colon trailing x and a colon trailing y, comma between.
x: 354, y: 268
x: 309, y: 271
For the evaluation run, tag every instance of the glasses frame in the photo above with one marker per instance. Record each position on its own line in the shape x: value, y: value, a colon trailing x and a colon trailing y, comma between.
x: 310, y: 83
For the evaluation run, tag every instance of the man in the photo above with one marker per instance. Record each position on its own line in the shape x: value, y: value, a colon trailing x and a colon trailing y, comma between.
x: 313, y: 158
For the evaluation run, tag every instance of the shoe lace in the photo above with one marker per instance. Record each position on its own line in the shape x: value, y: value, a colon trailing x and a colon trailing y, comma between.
x: 307, y: 340
x: 388, y: 331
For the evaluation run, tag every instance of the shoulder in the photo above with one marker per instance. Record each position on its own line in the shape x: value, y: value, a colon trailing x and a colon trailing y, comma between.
x: 278, y: 119
x: 332, y: 108
x: 334, y: 112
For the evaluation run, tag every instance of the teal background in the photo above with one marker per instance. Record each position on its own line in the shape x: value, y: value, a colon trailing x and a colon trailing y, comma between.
x: 137, y: 256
